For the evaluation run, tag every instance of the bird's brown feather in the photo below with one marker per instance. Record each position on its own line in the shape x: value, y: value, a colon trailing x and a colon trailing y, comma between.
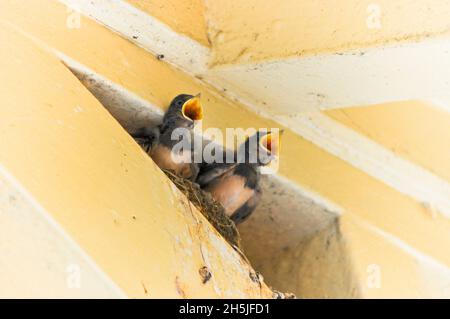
x: 231, y: 192
x: 162, y: 156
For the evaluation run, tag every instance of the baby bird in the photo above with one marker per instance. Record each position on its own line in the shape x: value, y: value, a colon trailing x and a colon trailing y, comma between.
x: 236, y: 185
x: 182, y: 112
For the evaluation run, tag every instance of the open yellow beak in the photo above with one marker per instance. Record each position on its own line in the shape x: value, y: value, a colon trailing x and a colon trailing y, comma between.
x: 271, y: 143
x: 192, y: 109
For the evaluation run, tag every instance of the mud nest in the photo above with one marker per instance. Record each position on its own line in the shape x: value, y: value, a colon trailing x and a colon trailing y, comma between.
x: 211, y: 209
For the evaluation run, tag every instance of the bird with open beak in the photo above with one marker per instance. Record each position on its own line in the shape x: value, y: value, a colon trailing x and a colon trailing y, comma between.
x: 237, y: 185
x: 183, y: 112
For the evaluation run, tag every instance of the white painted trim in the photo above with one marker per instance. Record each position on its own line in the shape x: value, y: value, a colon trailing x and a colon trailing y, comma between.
x: 372, y: 158
x: 60, y: 230
x: 146, y: 31
x: 442, y: 104
x: 360, y: 77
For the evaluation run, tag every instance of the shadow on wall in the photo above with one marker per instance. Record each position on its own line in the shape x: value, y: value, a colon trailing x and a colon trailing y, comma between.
x: 293, y: 240
x: 318, y: 266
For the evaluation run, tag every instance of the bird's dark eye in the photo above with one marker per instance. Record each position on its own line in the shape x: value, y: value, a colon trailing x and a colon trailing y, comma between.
x: 180, y: 103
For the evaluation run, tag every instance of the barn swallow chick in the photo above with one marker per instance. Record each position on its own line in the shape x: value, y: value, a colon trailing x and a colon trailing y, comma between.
x: 236, y: 185
x: 183, y: 111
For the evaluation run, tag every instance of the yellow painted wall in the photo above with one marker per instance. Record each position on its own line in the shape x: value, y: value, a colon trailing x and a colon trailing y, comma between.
x: 414, y: 130
x: 183, y: 16
x: 367, y: 197
x: 38, y: 261
x: 386, y: 270
x: 352, y: 259
x: 259, y: 30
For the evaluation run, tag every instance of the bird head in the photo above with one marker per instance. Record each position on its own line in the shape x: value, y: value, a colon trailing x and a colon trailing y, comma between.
x: 184, y: 111
x: 262, y: 148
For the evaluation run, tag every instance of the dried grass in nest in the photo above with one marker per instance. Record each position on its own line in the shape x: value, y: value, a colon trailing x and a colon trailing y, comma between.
x: 211, y: 209
x: 215, y: 213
